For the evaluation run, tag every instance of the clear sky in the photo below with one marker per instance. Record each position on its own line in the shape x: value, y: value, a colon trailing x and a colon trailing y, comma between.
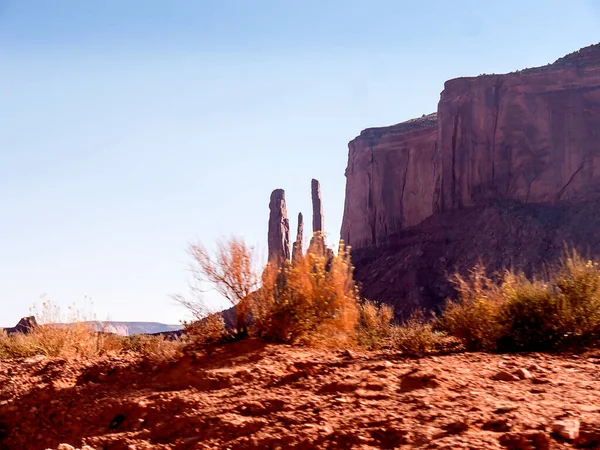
x: 129, y: 128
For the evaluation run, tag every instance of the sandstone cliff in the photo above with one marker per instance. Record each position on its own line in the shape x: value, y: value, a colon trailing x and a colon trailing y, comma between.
x: 529, y: 138
x: 393, y: 180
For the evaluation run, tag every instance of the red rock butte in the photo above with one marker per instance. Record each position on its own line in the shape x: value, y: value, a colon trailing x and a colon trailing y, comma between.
x: 531, y: 136
x: 506, y: 172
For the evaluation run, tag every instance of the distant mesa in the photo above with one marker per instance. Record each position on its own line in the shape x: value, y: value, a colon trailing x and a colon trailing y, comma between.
x: 27, y: 324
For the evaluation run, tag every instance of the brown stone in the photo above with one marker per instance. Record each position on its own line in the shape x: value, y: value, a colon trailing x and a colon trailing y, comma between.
x: 505, y: 376
x: 279, y: 229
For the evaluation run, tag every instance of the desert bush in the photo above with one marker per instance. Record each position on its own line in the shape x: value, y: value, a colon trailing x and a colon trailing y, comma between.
x: 53, y: 337
x: 474, y: 316
x: 415, y: 336
x: 557, y: 310
x: 150, y: 346
x: 313, y: 301
x: 374, y: 328
x: 208, y: 330
x: 231, y: 272
x: 52, y: 340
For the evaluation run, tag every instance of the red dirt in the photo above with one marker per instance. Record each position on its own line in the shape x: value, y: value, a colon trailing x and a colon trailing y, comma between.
x: 254, y: 395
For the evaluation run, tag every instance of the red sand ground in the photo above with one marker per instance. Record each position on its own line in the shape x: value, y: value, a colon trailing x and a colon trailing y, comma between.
x: 252, y: 395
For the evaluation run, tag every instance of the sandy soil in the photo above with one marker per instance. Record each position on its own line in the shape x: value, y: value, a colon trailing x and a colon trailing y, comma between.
x: 252, y: 395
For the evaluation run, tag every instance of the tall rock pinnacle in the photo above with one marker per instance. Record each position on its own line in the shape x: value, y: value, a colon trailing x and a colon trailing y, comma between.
x: 317, y: 206
x: 279, y: 229
x: 297, y: 247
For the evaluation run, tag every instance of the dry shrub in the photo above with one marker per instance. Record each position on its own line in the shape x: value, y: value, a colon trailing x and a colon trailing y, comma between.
x: 55, y: 338
x: 313, y: 301
x: 473, y: 317
x: 416, y: 336
x: 374, y: 328
x: 231, y: 272
x: 70, y: 335
x: 151, y: 347
x: 559, y: 310
x: 209, y: 330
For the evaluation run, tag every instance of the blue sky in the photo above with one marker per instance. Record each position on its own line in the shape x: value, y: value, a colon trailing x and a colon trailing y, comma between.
x: 130, y: 128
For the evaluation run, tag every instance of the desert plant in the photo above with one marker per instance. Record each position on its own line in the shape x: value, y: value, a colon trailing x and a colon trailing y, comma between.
x: 208, y: 330
x: 231, y: 272
x: 559, y: 309
x: 474, y: 316
x: 374, y: 327
x: 150, y: 346
x: 415, y: 336
x: 313, y: 301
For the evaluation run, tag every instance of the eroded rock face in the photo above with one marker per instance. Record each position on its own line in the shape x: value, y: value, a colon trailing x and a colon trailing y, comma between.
x: 392, y: 180
x: 506, y: 173
x: 532, y: 136
x: 279, y: 229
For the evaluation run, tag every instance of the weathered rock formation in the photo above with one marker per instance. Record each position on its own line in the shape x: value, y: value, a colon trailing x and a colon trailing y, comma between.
x: 297, y: 247
x: 530, y: 137
x: 317, y: 243
x: 393, y: 180
x: 279, y: 229
x: 25, y: 326
x: 317, y: 206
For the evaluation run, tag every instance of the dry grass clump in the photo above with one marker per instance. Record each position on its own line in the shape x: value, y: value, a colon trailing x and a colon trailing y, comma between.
x: 473, y: 317
x: 416, y: 336
x: 149, y: 346
x: 208, y: 330
x: 374, y: 330
x: 559, y: 310
x: 53, y: 338
x: 70, y: 336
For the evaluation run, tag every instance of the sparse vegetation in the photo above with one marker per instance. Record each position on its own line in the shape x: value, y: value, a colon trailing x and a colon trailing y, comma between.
x: 313, y: 300
x: 557, y: 311
x: 416, y: 336
x: 375, y: 328
x: 70, y: 335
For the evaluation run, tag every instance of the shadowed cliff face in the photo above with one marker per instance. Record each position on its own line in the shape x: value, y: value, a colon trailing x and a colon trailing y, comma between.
x: 393, y: 180
x: 531, y: 136
x: 428, y: 197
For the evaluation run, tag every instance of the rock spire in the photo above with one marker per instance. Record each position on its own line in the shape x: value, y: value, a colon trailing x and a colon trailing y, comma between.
x: 279, y: 229
x: 317, y: 206
x: 297, y: 247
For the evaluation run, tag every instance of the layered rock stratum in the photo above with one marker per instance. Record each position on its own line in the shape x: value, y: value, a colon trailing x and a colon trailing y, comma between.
x: 521, y: 148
